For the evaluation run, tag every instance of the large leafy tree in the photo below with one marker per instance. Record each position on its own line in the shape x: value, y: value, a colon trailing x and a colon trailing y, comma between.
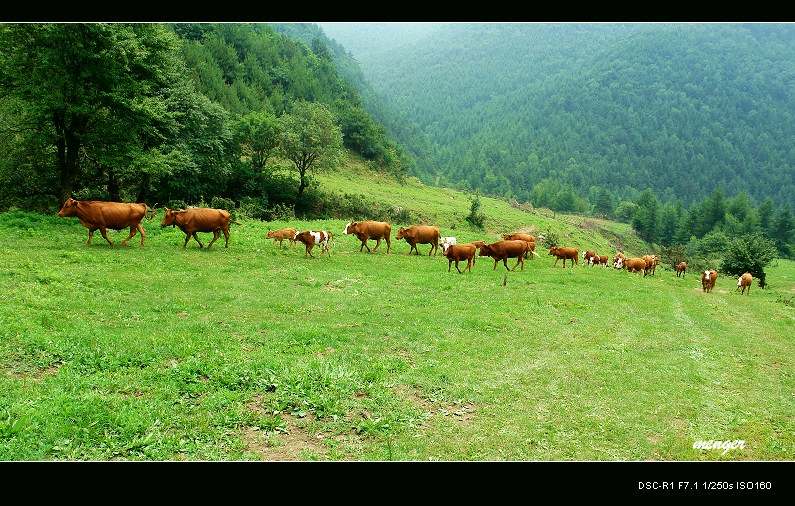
x: 95, y: 91
x: 310, y: 139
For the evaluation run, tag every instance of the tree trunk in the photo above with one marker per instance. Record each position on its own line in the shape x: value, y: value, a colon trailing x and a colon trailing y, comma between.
x: 113, y: 186
x: 301, y: 188
x: 143, y: 189
x: 68, y: 143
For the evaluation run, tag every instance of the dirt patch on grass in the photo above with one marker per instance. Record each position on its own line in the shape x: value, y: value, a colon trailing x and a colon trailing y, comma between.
x: 460, y: 411
x: 37, y: 374
x: 295, y: 444
x: 329, y: 350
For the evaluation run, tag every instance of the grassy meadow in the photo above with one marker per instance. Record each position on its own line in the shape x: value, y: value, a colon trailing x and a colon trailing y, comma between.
x: 255, y: 352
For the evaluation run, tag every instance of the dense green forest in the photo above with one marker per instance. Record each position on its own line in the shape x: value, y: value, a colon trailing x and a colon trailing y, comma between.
x: 175, y: 114
x: 679, y: 109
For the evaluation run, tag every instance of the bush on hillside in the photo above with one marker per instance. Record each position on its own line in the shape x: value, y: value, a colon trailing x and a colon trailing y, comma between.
x: 749, y: 253
x: 476, y: 218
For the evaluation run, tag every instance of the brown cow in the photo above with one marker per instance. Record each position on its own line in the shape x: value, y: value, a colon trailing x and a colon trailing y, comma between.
x: 744, y: 282
x: 565, y: 254
x: 458, y: 252
x: 681, y: 267
x: 311, y: 237
x: 99, y: 215
x: 282, y: 234
x: 523, y: 237
x: 199, y: 219
x: 602, y: 260
x: 503, y: 250
x: 651, y: 264
x: 518, y: 236
x: 420, y: 234
x: 366, y: 230
x: 635, y: 264
x: 476, y: 244
x: 708, y: 279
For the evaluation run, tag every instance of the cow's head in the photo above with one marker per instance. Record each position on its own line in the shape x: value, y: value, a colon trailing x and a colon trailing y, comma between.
x: 349, y: 228
x: 270, y: 234
x: 401, y: 233
x: 486, y: 250
x: 69, y: 208
x: 168, y: 218
x: 553, y: 250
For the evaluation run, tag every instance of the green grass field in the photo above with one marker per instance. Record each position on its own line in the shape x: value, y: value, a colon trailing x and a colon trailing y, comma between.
x: 255, y: 352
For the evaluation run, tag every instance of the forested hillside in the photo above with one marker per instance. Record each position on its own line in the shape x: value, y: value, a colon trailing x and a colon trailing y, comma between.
x: 518, y: 110
x: 175, y: 114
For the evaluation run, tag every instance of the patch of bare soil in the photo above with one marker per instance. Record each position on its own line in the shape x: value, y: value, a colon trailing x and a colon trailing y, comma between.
x: 325, y: 352
x: 462, y: 412
x: 38, y: 374
x: 294, y: 444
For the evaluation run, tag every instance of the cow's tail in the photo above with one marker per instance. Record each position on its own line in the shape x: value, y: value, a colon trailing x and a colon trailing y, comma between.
x: 150, y: 212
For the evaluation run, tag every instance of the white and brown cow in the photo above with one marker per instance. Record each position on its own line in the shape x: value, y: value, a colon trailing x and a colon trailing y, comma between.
x: 312, y: 237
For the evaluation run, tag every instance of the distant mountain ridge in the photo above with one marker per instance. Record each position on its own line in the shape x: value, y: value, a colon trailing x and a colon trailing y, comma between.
x: 681, y: 109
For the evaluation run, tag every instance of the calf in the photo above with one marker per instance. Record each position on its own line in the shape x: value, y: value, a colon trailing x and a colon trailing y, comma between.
x: 420, y: 234
x: 478, y: 245
x: 708, y: 279
x: 503, y: 250
x: 681, y: 267
x: 458, y: 252
x: 366, y: 230
x: 199, y: 219
x: 588, y: 256
x: 281, y: 235
x: 602, y: 260
x: 565, y: 254
x: 311, y: 237
x: 744, y: 282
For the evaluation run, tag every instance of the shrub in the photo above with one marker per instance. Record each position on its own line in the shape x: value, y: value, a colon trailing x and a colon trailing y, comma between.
x: 253, y: 208
x: 749, y: 253
x: 176, y: 204
x: 475, y: 217
x: 550, y: 238
x: 674, y: 254
x: 280, y: 212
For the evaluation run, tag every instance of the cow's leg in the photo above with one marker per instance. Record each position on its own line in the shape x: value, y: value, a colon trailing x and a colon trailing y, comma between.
x: 90, y: 235
x: 388, y: 244
x: 216, y: 235
x: 226, y: 236
x: 556, y: 262
x: 142, y: 231
x: 364, y: 243
x: 133, y: 231
x: 104, y: 232
x: 187, y: 238
x: 309, y: 250
x: 377, y: 244
x: 456, y: 267
x: 469, y: 264
x: 449, y: 264
x: 196, y: 236
x: 495, y: 264
x: 564, y: 263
